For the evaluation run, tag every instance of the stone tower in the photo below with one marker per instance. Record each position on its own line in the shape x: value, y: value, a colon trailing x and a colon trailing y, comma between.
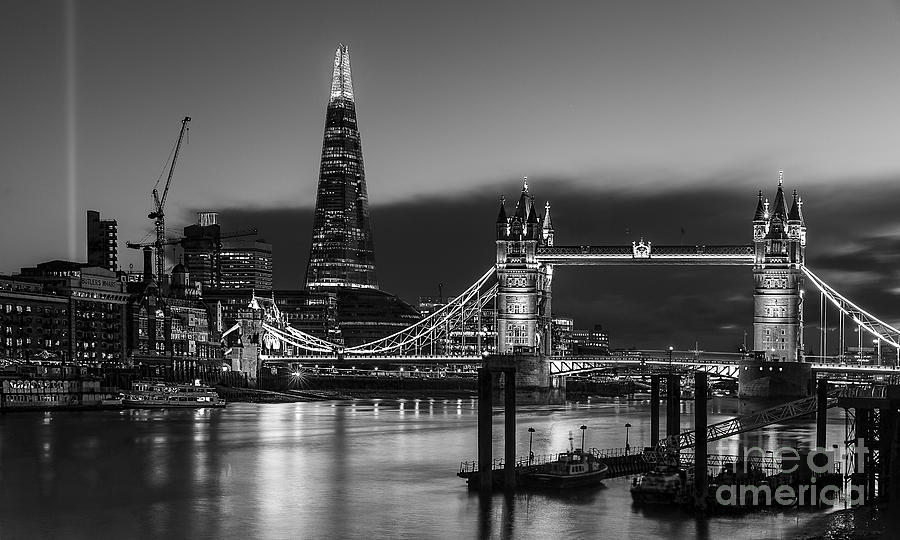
x: 523, y: 284
x: 779, y: 239
x: 342, y: 254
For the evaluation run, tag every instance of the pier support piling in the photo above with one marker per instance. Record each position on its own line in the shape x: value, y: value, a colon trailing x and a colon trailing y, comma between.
x: 509, y: 440
x: 821, y: 412
x: 485, y: 435
x: 700, y: 423
x: 654, y: 411
x: 673, y: 405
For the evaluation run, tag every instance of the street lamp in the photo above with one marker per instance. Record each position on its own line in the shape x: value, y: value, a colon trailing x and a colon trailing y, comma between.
x: 627, y: 446
x: 530, y: 441
x: 583, y: 430
x: 671, y: 350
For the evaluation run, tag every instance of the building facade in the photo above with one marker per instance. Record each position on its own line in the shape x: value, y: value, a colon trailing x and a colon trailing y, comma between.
x: 96, y: 299
x: 779, y: 239
x: 245, y: 264
x: 342, y: 253
x: 173, y: 335
x: 225, y: 261
x: 200, y: 250
x: 102, y: 242
x: 593, y: 341
x: 563, y: 341
x: 33, y: 324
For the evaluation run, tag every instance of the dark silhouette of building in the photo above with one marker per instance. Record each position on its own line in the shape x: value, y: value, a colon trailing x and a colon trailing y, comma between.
x: 102, y: 241
x: 342, y: 253
x: 200, y: 248
x: 594, y: 341
x: 225, y: 261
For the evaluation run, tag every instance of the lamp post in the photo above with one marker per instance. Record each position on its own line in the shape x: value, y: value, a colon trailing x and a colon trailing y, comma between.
x: 671, y: 350
x: 583, y: 430
x: 530, y: 440
x: 627, y: 446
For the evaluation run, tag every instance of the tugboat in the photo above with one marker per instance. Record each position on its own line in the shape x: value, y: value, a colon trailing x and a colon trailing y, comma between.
x: 574, y: 468
x: 662, y: 485
x: 161, y: 395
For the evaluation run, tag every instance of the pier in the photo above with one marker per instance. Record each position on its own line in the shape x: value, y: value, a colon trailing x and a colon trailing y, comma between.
x: 871, y: 445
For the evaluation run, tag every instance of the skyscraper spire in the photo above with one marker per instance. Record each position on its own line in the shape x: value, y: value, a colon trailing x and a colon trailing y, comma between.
x: 342, y: 253
x: 341, y: 82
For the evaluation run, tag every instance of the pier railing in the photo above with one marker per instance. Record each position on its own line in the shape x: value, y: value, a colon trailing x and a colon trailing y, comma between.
x: 768, y: 463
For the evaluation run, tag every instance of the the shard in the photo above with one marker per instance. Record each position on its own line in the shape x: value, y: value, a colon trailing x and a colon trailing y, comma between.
x: 342, y: 254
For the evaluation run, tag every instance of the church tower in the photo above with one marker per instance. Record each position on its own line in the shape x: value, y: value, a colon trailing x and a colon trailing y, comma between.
x: 523, y: 284
x: 779, y: 239
x: 342, y: 254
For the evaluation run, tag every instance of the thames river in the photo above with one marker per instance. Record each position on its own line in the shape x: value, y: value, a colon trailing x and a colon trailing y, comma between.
x: 342, y: 469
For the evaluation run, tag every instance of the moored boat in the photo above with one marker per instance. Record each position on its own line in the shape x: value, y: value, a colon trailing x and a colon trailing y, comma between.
x: 158, y: 395
x: 571, y: 469
x: 659, y: 486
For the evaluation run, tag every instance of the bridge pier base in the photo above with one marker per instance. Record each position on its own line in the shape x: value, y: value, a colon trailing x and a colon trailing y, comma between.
x: 533, y: 383
x: 761, y: 378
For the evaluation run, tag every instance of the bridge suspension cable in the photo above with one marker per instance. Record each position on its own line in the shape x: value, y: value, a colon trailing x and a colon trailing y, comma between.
x: 426, y: 335
x: 436, y: 326
x: 879, y: 329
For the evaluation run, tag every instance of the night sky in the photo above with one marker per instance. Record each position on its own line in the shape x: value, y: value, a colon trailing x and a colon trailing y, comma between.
x: 632, y: 118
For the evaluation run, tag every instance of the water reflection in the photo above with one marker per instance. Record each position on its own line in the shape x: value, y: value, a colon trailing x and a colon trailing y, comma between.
x: 370, y: 468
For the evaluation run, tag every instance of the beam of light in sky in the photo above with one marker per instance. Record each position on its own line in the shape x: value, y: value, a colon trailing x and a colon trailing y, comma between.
x: 71, y: 128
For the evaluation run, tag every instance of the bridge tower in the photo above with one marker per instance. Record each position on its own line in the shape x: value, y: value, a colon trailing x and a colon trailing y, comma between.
x: 523, y: 302
x: 779, y: 239
x: 523, y: 290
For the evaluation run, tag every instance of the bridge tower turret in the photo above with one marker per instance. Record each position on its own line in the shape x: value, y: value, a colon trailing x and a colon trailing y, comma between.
x: 779, y: 238
x: 523, y: 290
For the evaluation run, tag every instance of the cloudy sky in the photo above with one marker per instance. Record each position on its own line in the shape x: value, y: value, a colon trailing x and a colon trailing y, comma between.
x: 633, y: 118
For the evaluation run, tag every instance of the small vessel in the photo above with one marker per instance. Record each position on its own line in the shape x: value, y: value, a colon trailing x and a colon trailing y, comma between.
x: 574, y: 468
x: 661, y: 485
x: 159, y: 395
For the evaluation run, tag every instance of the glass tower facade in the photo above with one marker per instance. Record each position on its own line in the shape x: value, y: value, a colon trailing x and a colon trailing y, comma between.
x: 342, y: 254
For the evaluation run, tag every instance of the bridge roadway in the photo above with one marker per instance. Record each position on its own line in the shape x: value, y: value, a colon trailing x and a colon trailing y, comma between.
x: 721, y: 364
x: 646, y: 253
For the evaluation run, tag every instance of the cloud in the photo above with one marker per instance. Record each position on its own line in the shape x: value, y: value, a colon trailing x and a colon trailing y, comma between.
x: 450, y: 239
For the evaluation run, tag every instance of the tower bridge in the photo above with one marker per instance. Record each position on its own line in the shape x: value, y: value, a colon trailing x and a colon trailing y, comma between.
x: 507, y: 311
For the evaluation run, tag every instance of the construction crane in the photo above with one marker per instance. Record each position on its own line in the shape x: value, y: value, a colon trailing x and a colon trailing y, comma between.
x: 159, y: 204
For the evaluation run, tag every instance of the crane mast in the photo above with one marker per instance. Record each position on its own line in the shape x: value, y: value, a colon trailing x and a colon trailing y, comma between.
x: 159, y: 203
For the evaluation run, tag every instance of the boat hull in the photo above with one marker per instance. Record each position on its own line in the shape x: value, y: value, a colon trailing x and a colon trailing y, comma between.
x: 653, y: 497
x: 556, y: 481
x: 147, y: 404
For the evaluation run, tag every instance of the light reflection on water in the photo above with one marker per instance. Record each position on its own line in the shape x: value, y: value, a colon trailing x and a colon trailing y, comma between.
x: 367, y: 468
